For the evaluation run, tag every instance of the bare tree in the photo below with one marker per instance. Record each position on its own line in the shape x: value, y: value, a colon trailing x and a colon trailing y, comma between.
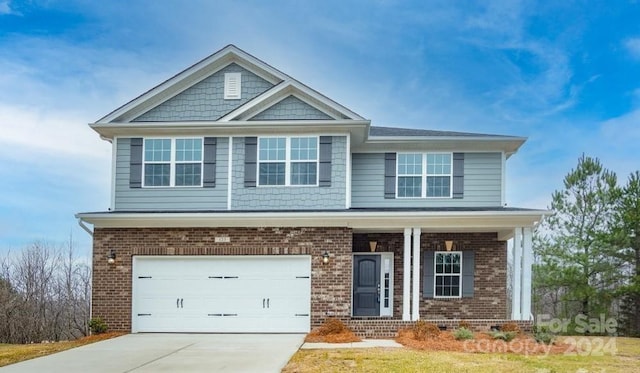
x: 44, y: 294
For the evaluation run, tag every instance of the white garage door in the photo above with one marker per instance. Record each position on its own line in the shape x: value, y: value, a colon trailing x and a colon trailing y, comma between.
x: 233, y: 294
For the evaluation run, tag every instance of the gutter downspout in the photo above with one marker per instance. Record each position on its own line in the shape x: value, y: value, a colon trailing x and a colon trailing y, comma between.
x: 86, y: 229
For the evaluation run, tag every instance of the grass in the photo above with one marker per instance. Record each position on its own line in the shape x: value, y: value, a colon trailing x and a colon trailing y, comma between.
x: 14, y: 353
x: 626, y: 358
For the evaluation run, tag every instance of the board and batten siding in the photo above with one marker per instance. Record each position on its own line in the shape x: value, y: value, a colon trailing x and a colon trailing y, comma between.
x: 291, y: 197
x: 482, y: 183
x: 176, y: 198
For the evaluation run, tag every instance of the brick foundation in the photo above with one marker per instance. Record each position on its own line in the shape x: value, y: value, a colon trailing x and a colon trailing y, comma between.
x: 390, y: 328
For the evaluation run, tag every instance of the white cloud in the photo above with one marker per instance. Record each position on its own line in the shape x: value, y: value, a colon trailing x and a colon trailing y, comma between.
x: 633, y: 46
x: 35, y: 132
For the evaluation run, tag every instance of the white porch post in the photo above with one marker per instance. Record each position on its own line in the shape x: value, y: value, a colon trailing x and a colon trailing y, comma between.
x: 415, y: 297
x: 406, y: 276
x: 527, y: 261
x: 516, y: 278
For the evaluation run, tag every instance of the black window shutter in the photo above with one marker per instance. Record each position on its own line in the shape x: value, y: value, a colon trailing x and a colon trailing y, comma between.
x: 458, y: 175
x: 324, y: 172
x: 250, y: 161
x: 427, y: 274
x: 389, y: 175
x: 209, y: 162
x: 135, y: 163
x: 468, y: 269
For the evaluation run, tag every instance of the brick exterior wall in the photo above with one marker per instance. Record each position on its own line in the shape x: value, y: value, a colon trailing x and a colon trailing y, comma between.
x: 490, y: 284
x: 330, y: 283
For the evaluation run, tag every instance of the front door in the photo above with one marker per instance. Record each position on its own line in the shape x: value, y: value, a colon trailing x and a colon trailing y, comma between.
x: 366, y: 285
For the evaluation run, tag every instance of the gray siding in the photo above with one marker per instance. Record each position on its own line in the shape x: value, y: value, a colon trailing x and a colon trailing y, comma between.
x: 292, y: 197
x: 205, y: 100
x: 482, y: 183
x: 146, y: 199
x: 291, y: 108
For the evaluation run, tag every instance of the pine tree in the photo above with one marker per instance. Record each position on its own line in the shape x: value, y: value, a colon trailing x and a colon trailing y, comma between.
x: 627, y: 234
x: 575, y: 256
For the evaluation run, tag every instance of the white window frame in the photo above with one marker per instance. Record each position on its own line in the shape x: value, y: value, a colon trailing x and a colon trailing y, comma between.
x: 172, y: 162
x: 288, y: 162
x: 423, y: 193
x: 435, y: 274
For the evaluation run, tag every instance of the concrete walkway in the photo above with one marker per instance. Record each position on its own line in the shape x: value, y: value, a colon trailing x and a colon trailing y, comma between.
x: 366, y: 343
x: 172, y: 353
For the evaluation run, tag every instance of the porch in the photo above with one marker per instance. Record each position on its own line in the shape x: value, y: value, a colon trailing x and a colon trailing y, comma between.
x: 405, y: 292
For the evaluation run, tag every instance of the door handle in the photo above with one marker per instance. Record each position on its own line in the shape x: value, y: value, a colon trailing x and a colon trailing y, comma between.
x: 181, y: 300
x: 378, y: 297
x: 263, y: 302
x: 177, y: 302
x: 267, y: 302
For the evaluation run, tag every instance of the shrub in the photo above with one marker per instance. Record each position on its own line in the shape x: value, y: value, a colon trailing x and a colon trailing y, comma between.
x: 544, y: 337
x: 332, y: 326
x: 464, y: 324
x: 97, y: 325
x: 423, y: 330
x: 510, y: 327
x: 505, y: 336
x: 463, y: 333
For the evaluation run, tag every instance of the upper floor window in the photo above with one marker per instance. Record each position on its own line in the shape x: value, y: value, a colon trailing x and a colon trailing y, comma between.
x: 288, y: 161
x: 424, y: 175
x: 172, y: 162
x: 448, y: 274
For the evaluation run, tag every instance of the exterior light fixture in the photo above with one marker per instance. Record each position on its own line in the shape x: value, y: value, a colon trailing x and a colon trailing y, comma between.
x: 325, y: 257
x: 111, y: 258
x: 448, y: 245
x: 373, y: 245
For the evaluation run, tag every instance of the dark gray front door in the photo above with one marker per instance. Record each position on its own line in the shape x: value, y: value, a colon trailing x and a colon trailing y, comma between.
x: 366, y: 285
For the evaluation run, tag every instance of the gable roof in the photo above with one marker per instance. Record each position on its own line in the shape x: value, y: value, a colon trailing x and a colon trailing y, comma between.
x: 208, y: 66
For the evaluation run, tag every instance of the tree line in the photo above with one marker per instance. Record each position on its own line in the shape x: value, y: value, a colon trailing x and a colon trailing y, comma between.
x: 587, y: 254
x: 45, y: 295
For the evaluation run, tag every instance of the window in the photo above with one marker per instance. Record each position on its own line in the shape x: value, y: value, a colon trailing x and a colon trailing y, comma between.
x: 448, y: 274
x: 288, y: 161
x: 172, y: 162
x: 424, y: 175
x: 438, y: 175
x: 409, y: 175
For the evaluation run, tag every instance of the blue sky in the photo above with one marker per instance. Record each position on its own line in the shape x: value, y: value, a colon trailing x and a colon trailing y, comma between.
x: 564, y: 74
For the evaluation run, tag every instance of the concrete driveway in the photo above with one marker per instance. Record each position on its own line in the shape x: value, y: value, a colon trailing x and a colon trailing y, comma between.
x: 172, y: 353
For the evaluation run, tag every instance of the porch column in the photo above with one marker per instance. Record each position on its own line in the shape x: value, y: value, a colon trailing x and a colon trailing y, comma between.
x: 527, y: 261
x: 406, y: 276
x: 516, y: 275
x: 415, y: 297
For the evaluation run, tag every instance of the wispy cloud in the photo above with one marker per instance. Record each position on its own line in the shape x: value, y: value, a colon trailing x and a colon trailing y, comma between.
x: 633, y: 46
x: 5, y: 8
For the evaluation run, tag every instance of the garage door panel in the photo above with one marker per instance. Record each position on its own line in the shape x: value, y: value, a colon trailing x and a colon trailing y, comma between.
x: 222, y: 294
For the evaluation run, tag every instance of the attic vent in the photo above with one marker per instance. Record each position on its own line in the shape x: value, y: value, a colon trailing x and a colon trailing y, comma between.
x: 232, y: 87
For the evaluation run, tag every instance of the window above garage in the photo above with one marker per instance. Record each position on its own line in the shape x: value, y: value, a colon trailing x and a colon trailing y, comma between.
x: 172, y: 162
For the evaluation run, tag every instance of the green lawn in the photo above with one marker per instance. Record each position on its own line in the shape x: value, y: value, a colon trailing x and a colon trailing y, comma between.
x: 625, y: 359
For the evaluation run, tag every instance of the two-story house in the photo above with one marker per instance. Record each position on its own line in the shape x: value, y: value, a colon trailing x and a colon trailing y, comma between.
x: 244, y: 201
